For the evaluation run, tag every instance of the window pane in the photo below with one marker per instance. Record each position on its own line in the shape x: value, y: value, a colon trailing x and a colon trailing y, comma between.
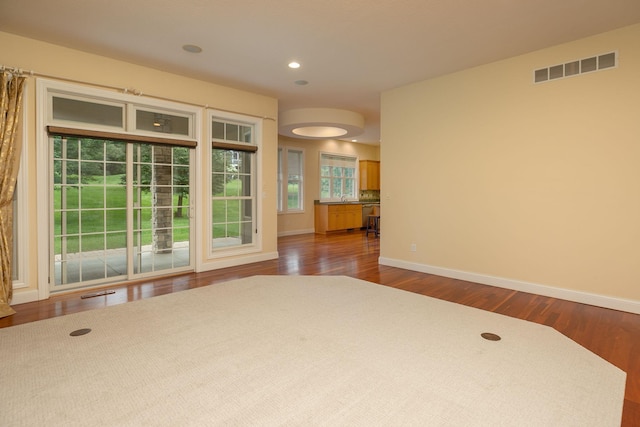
x: 91, y: 149
x: 246, y: 133
x: 181, y: 156
x: 294, y: 179
x: 163, y: 123
x: 88, y: 112
x: 232, y: 186
x: 280, y: 178
x: 293, y: 195
x: 325, y: 188
x: 218, y: 160
x: 116, y: 220
x: 232, y: 132
x: 337, y: 187
x: 349, y: 187
x: 91, y: 221
x: 243, y: 162
x: 180, y: 175
x: 116, y: 152
x: 92, y: 197
x: 217, y: 185
x: 217, y: 130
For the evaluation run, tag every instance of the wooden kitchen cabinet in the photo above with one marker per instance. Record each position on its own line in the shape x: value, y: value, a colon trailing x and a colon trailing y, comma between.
x: 337, y: 216
x: 369, y: 175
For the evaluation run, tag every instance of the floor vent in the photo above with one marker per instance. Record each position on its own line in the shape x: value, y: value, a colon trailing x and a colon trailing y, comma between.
x: 578, y: 66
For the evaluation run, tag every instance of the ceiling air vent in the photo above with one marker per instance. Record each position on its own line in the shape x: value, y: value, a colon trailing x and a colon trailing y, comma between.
x: 578, y: 66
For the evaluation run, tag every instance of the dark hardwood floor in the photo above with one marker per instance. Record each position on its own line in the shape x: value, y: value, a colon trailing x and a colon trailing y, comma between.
x: 613, y: 335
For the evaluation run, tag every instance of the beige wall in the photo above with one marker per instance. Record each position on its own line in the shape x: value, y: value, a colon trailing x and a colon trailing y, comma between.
x: 298, y: 223
x: 526, y: 185
x: 74, y: 65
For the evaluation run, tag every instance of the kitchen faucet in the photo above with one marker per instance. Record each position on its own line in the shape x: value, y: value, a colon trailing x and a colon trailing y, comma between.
x: 343, y: 198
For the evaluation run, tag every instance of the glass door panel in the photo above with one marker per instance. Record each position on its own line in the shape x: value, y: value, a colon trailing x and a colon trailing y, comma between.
x: 162, y: 223
x: 91, y: 195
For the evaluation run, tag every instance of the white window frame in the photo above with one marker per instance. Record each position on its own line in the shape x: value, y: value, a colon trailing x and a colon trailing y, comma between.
x: 351, y: 197
x: 207, y: 226
x: 283, y: 180
x: 46, y: 90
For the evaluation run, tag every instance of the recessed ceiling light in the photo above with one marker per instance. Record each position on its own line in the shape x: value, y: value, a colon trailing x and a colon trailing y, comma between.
x: 192, y: 48
x: 314, y: 123
x: 301, y: 82
x: 320, y: 131
x: 294, y: 64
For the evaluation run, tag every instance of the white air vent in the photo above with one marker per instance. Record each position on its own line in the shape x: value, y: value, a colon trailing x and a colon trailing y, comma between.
x: 578, y: 66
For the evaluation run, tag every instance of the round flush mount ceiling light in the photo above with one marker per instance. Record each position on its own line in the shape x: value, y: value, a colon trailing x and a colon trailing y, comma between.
x: 320, y: 123
x: 294, y: 64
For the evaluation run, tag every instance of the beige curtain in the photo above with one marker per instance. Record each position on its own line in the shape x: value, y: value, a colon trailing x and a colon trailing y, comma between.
x: 11, y: 88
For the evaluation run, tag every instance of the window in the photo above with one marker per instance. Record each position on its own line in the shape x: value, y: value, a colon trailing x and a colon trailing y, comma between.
x: 233, y: 184
x: 76, y: 110
x: 291, y: 162
x: 119, y: 181
x: 91, y: 192
x: 338, y: 177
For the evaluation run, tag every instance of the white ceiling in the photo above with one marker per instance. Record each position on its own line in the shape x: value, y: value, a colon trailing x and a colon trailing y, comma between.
x: 350, y: 50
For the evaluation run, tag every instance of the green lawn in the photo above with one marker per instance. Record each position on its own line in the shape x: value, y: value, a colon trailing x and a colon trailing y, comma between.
x: 102, y: 222
x: 104, y: 217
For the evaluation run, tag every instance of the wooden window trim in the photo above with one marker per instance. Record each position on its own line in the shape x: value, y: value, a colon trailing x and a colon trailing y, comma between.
x: 64, y: 131
x: 235, y: 147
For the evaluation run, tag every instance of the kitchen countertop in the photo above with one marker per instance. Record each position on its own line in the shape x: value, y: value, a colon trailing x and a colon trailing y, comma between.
x: 349, y: 202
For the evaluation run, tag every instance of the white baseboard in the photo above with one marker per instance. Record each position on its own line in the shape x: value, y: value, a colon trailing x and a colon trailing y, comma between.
x: 296, y: 232
x: 21, y: 297
x: 233, y: 262
x: 604, y: 301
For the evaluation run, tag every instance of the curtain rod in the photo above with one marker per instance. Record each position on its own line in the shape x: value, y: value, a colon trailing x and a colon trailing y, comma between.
x: 136, y: 92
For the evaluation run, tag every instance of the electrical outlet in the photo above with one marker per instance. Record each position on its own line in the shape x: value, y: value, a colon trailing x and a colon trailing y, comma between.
x: 413, y: 247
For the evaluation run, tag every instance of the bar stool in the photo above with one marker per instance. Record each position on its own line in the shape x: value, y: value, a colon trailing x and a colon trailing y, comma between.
x: 373, y: 225
x: 373, y: 222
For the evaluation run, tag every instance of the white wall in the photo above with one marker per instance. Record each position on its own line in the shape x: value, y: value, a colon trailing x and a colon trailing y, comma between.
x: 522, y: 185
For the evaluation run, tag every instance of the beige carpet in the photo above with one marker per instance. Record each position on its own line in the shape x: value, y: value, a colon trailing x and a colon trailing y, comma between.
x: 300, y: 351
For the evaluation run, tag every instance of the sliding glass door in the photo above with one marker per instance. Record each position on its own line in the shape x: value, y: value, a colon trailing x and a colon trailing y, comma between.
x: 121, y: 210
